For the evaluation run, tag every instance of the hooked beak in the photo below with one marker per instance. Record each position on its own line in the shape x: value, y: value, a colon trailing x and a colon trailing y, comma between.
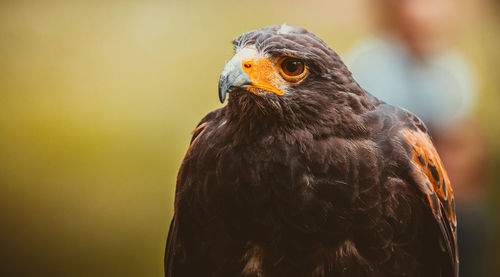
x: 232, y: 77
x: 248, y: 70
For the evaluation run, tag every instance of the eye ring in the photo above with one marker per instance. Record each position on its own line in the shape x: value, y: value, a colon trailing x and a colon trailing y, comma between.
x: 292, y: 69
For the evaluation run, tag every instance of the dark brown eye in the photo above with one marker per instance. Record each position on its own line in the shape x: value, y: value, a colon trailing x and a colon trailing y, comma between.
x: 293, y: 67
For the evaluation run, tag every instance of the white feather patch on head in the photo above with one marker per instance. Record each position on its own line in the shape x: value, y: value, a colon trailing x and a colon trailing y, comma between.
x: 248, y: 52
x: 285, y: 29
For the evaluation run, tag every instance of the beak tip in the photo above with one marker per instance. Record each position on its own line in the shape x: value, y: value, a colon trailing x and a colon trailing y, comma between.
x: 222, y: 97
x: 222, y: 90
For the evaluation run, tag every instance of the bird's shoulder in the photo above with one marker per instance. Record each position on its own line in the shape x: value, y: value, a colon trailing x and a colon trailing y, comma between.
x: 207, y: 122
x: 408, y: 137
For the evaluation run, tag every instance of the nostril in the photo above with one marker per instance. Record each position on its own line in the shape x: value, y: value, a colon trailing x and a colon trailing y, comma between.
x: 247, y: 65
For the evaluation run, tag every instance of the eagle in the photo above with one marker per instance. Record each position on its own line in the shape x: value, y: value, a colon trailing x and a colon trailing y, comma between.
x: 304, y: 173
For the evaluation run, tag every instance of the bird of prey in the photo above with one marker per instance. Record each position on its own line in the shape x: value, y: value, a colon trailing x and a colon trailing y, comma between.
x: 304, y: 173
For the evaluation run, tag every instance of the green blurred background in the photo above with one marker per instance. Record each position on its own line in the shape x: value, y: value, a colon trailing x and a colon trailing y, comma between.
x: 97, y: 99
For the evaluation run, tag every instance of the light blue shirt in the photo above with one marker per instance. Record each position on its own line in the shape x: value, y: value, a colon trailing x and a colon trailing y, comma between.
x: 440, y: 89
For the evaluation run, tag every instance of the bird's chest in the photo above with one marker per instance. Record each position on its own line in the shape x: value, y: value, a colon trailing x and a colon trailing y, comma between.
x: 253, y: 176
x: 276, y: 186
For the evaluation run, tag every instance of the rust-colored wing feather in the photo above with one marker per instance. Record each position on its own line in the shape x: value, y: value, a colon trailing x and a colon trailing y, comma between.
x: 435, y: 184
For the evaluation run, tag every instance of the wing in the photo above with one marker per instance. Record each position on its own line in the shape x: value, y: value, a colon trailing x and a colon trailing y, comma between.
x: 172, y: 248
x: 434, y: 182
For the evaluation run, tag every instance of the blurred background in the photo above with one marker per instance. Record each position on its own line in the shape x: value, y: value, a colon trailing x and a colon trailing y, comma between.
x: 97, y: 99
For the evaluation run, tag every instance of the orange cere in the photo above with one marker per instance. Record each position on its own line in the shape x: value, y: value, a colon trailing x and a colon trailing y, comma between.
x: 263, y: 73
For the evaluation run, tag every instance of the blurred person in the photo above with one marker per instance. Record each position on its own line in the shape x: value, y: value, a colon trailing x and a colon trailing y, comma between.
x: 412, y: 63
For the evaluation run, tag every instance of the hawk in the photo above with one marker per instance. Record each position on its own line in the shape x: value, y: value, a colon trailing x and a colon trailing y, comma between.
x: 304, y: 173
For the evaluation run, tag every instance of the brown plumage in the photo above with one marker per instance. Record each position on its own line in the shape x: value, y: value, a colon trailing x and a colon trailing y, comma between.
x: 304, y: 173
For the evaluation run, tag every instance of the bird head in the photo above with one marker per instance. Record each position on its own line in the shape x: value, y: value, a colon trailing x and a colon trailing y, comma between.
x: 284, y: 67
